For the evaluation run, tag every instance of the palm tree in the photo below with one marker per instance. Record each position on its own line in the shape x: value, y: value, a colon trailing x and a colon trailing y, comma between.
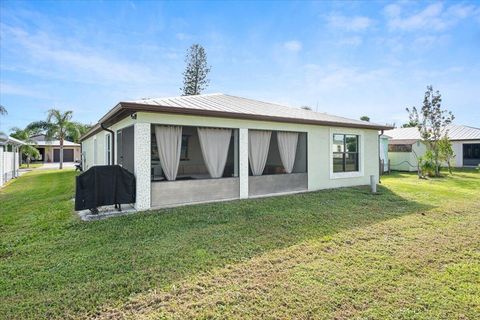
x: 58, y: 126
x: 28, y: 148
x: 81, y: 130
x: 3, y: 110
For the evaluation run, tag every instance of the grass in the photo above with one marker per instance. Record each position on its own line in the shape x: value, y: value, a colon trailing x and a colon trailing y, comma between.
x: 31, y: 166
x: 410, y: 252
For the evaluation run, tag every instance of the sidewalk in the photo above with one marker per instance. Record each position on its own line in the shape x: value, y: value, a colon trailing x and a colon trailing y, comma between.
x: 49, y: 166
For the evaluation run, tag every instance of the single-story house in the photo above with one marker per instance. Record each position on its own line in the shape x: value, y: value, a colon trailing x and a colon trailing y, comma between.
x: 9, y: 158
x: 213, y: 147
x: 50, y: 149
x: 405, y: 146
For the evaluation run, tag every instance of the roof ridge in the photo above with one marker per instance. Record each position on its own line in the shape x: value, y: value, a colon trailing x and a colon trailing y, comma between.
x: 179, y: 97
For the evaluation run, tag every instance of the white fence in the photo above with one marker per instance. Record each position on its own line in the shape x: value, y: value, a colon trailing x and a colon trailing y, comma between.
x: 9, y: 164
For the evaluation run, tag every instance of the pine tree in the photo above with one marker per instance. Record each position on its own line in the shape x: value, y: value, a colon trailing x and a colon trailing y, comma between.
x: 195, y: 75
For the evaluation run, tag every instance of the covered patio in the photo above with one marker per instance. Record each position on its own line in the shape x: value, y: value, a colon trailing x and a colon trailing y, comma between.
x: 193, y: 164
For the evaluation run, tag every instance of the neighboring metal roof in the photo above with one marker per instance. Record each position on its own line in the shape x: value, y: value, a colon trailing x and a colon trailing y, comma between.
x: 223, y: 105
x: 455, y: 132
x: 4, y: 140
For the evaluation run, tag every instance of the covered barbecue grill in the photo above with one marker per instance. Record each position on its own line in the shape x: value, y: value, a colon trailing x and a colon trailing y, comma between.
x: 102, y: 186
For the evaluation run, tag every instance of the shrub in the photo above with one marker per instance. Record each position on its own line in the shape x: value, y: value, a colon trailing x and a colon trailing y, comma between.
x: 427, y: 164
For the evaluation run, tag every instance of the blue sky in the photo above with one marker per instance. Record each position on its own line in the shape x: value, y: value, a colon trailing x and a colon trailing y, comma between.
x: 344, y: 58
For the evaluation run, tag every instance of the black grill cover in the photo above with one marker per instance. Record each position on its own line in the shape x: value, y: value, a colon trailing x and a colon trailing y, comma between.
x: 104, y: 185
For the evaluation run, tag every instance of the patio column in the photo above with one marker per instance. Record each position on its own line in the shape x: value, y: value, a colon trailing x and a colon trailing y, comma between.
x: 243, y: 162
x: 141, y: 161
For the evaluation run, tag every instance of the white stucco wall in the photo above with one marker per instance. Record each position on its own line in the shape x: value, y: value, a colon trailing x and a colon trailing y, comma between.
x: 142, y: 164
x: 87, y: 144
x: 318, y: 139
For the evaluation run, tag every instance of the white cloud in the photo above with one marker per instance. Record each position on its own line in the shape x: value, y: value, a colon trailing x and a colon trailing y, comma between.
x: 182, y: 36
x: 335, y: 77
x: 357, y: 23
x: 434, y: 17
x: 351, y: 41
x: 293, y: 46
x: 44, y: 54
x: 16, y: 90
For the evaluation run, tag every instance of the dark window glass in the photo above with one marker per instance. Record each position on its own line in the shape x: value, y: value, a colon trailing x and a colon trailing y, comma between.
x: 345, y: 153
x: 338, y: 162
x: 184, y: 148
x: 351, y: 161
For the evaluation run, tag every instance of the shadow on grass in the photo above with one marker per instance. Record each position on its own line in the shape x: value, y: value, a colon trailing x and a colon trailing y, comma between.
x: 76, y: 267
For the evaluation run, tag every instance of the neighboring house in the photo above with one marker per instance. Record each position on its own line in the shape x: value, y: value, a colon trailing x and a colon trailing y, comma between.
x: 214, y: 147
x: 50, y: 149
x: 405, y: 146
x: 9, y: 158
x: 384, y: 152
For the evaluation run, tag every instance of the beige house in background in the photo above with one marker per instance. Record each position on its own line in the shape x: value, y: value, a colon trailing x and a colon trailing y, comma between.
x: 216, y: 147
x: 50, y: 149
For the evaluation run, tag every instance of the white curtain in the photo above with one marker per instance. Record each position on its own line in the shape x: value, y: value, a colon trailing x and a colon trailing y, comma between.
x: 214, y: 143
x: 258, y: 144
x: 169, y: 144
x: 287, y: 146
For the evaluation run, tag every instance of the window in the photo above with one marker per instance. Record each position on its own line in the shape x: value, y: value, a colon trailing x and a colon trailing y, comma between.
x: 108, y: 149
x: 345, y: 153
x: 399, y: 148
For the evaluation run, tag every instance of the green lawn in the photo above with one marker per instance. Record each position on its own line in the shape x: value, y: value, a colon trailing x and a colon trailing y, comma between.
x: 410, y: 252
x: 31, y: 166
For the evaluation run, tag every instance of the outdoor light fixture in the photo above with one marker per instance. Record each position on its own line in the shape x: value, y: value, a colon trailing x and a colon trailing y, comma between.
x: 133, y: 116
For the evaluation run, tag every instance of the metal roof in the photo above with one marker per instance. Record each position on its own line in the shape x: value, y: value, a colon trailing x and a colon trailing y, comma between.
x: 4, y: 140
x: 228, y: 106
x: 220, y: 102
x: 455, y: 132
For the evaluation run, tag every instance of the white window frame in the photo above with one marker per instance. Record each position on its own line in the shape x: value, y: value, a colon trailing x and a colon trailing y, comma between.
x: 361, y: 153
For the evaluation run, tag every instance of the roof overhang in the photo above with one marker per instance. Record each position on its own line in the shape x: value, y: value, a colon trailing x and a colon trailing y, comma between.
x: 125, y: 109
x: 4, y: 140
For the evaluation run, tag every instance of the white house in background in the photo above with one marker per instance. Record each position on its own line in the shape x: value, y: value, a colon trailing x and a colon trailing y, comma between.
x: 384, y: 152
x: 50, y: 149
x: 405, y: 146
x: 9, y: 158
x: 215, y: 147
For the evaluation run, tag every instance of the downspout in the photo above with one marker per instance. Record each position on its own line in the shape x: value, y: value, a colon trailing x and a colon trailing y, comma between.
x: 112, y: 141
x: 380, y: 158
